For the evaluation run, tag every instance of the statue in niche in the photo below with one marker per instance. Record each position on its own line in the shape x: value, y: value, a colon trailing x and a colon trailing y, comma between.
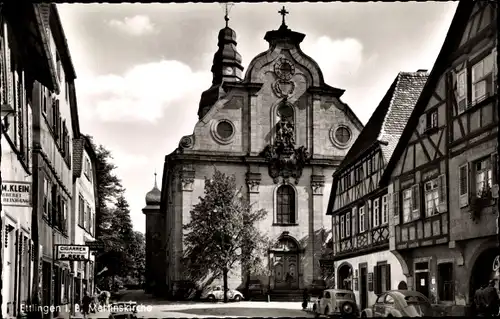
x: 285, y: 129
x: 284, y: 159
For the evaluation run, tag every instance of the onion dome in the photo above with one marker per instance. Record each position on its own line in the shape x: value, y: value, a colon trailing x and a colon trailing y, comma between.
x: 153, y: 197
x: 226, y: 67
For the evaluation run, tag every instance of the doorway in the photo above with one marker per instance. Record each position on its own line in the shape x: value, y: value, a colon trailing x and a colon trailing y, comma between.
x: 286, y: 264
x: 345, y: 276
x: 422, y: 278
x: 363, y: 286
x: 482, y: 271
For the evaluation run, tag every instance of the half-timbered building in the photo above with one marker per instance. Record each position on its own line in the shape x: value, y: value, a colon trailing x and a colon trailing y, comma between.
x: 359, y: 207
x: 442, y: 221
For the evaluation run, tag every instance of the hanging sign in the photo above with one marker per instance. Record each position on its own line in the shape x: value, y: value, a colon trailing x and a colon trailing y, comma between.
x: 16, y: 194
x: 72, y: 252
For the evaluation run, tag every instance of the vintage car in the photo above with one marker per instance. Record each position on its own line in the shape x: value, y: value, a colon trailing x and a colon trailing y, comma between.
x: 216, y: 294
x: 399, y: 303
x: 336, y: 302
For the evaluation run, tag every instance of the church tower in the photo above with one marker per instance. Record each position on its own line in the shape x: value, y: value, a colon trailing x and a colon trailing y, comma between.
x: 226, y: 67
x: 153, y: 236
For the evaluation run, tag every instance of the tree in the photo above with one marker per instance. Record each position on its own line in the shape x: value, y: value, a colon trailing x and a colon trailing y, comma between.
x: 137, y: 249
x: 223, y: 230
x: 114, y: 227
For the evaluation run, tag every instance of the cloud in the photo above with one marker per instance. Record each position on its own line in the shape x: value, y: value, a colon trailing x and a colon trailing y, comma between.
x: 125, y: 161
x: 136, y: 25
x: 339, y: 59
x: 143, y: 92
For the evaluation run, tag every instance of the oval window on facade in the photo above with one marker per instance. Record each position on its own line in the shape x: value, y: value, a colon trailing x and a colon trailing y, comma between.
x: 224, y: 130
x: 342, y: 135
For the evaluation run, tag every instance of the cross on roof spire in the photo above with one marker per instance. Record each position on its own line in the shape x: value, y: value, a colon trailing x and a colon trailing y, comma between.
x: 283, y: 12
x: 227, y: 8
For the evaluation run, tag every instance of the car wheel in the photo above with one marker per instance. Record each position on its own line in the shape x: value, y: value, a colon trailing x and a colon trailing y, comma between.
x: 347, y: 308
x: 363, y: 315
x: 211, y: 298
x: 237, y: 298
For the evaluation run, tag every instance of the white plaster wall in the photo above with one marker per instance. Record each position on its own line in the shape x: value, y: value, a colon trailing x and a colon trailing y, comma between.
x: 371, y: 260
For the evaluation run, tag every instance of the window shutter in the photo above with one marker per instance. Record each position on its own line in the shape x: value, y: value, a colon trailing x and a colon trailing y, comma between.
x: 415, y: 199
x: 372, y: 286
x: 463, y: 184
x: 461, y: 103
x: 369, y: 214
x: 367, y: 217
x: 388, y: 277
x: 8, y: 67
x: 390, y: 206
x: 442, y: 193
x: 376, y: 212
x: 354, y: 222
x: 494, y: 168
x: 395, y: 203
x: 376, y: 279
x: 348, y: 225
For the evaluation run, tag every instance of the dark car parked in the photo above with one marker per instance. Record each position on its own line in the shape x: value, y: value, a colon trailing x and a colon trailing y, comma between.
x: 399, y: 303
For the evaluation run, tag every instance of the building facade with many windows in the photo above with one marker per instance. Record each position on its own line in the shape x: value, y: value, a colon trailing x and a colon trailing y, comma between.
x: 360, y: 208
x: 84, y: 206
x: 441, y: 177
x: 54, y: 125
x: 23, y: 62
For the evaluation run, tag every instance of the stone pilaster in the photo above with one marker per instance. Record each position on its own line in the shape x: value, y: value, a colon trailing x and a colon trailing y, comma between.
x: 317, y: 185
x: 183, y: 205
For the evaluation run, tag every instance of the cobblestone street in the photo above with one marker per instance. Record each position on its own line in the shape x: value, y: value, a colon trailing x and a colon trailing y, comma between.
x: 170, y: 309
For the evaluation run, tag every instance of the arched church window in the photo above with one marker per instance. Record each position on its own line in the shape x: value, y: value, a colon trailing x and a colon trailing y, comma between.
x: 285, y: 200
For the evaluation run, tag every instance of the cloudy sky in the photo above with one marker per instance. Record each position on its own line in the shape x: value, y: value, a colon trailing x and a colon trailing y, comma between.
x: 141, y: 68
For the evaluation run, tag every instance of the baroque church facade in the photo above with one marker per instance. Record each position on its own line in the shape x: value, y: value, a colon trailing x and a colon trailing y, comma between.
x: 281, y: 131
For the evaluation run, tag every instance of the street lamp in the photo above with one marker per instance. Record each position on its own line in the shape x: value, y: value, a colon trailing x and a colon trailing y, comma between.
x: 6, y: 110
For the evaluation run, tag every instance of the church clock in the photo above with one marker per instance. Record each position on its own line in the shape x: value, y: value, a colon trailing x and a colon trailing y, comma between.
x: 228, y: 70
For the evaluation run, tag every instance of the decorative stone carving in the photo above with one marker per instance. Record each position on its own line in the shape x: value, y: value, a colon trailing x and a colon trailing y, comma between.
x: 283, y: 89
x: 187, y: 141
x: 187, y: 180
x: 317, y: 184
x: 283, y: 158
x: 253, y: 182
x: 284, y: 69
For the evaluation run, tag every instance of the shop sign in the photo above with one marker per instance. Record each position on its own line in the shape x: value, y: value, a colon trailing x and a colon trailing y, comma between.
x: 16, y: 194
x: 72, y: 252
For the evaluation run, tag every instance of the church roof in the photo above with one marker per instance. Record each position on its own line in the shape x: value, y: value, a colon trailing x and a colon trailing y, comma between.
x: 389, y: 118
x: 153, y: 197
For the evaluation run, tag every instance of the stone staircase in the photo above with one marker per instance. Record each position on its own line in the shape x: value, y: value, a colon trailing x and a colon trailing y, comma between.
x: 286, y: 295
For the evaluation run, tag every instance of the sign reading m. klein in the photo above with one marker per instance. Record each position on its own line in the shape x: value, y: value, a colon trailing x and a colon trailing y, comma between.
x: 16, y: 194
x: 72, y: 252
